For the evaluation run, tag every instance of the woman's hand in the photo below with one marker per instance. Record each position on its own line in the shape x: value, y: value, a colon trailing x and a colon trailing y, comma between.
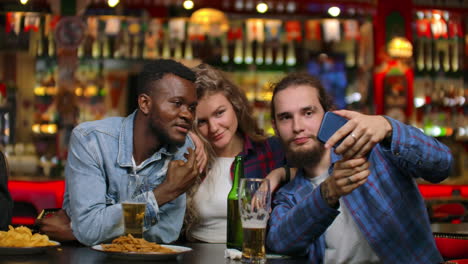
x: 278, y: 175
x: 200, y: 152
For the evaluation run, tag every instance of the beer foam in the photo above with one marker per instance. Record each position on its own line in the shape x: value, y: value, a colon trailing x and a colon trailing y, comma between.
x: 254, y: 224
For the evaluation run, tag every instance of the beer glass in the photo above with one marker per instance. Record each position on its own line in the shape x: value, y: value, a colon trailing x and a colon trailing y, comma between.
x: 134, y: 198
x: 254, y: 207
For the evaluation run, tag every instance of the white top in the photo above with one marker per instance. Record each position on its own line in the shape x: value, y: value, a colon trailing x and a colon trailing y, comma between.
x: 211, y: 203
x: 344, y: 242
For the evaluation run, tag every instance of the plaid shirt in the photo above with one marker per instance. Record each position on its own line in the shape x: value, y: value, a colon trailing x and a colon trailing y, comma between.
x: 388, y: 208
x: 261, y: 157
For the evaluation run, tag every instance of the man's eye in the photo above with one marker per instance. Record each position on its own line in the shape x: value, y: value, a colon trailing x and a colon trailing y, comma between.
x: 192, y: 108
x: 178, y: 103
x: 284, y: 117
x: 309, y: 113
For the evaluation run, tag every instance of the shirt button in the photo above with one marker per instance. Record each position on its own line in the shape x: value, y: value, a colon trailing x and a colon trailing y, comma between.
x: 153, y: 222
x: 397, y: 153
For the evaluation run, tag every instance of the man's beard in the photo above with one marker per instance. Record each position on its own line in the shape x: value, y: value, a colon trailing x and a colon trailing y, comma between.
x: 305, y: 158
x: 164, y: 137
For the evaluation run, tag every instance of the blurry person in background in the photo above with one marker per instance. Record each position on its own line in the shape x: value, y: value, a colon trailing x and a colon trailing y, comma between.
x: 225, y: 123
x: 359, y: 203
x: 152, y: 142
x: 6, y: 203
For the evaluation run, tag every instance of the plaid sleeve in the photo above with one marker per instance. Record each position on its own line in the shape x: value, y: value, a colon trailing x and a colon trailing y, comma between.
x: 295, y: 224
x: 420, y: 155
x: 277, y: 150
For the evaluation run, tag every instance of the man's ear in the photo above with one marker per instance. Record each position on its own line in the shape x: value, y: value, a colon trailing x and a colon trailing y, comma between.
x: 144, y: 103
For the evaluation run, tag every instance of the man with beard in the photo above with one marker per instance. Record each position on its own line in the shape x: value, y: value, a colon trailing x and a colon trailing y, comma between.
x: 152, y: 142
x: 358, y: 203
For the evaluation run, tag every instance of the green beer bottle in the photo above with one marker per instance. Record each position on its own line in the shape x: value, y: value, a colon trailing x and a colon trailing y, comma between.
x: 234, y: 224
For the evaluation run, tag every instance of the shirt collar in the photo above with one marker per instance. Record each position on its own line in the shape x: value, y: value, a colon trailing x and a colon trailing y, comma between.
x: 248, y: 145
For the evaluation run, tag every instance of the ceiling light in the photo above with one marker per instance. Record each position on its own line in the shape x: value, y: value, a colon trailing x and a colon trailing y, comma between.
x: 112, y: 3
x: 262, y: 7
x: 334, y: 11
x: 188, y: 4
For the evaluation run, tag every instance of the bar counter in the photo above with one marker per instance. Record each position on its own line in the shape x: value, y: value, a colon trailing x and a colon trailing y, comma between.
x: 202, y: 253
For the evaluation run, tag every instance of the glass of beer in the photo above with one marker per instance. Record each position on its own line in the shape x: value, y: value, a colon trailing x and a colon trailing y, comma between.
x: 134, y: 199
x: 254, y: 208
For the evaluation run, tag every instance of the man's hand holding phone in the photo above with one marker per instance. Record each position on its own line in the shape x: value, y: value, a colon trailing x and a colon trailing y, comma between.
x: 356, y: 137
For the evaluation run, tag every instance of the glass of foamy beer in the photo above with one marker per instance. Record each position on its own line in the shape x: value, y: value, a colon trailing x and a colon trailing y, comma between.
x: 134, y: 205
x: 254, y: 208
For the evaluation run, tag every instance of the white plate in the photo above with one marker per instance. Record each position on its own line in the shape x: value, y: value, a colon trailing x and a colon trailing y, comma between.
x: 146, y: 255
x: 26, y: 250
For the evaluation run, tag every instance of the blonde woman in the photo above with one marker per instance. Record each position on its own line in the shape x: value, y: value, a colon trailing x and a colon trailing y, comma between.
x: 225, y: 123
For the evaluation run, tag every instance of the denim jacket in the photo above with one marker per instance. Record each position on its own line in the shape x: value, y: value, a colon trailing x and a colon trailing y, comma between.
x: 98, y: 166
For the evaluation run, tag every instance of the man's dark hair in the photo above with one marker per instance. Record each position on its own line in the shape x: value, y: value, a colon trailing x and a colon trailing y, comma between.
x: 296, y: 79
x: 155, y: 71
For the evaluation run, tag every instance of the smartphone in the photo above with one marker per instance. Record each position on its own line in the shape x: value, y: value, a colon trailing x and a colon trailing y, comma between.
x: 331, y: 122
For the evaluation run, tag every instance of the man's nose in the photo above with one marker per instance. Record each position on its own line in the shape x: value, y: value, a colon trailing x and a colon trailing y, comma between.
x: 297, y: 125
x: 186, y: 114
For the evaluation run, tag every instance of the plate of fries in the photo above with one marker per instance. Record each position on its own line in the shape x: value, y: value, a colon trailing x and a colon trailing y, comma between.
x: 129, y: 247
x: 21, y: 241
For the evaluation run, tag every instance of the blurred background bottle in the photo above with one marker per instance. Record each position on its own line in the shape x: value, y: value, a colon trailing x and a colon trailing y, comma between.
x: 234, y: 224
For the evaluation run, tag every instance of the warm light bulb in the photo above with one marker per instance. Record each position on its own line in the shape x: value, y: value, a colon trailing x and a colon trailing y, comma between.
x: 112, y: 3
x: 334, y: 11
x: 188, y: 4
x: 262, y: 8
x: 23, y: 2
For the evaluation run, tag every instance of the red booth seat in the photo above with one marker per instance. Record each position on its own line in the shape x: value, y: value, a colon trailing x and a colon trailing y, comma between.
x: 433, y: 190
x: 464, y: 191
x: 44, y: 194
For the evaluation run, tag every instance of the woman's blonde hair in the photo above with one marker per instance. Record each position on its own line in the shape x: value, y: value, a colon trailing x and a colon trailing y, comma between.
x: 211, y: 81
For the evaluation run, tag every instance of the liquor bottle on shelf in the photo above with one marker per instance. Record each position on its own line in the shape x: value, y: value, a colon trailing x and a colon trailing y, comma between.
x: 106, y: 47
x: 188, y: 53
x: 96, y: 49
x: 291, y: 54
x: 268, y: 53
x: 259, y: 53
x: 280, y: 54
x: 238, y: 56
x: 178, y: 49
x: 51, y: 45
x: 136, y: 47
x: 166, y: 50
x: 224, y: 50
x: 248, y: 59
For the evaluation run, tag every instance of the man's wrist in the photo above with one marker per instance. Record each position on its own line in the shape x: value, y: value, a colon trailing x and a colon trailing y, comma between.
x: 161, y: 194
x: 388, y: 136
x: 327, y: 195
